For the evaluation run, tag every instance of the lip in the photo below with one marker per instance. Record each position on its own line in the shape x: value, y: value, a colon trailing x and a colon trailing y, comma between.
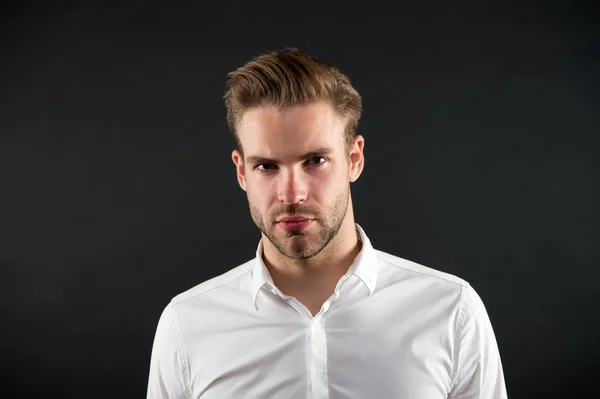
x: 294, y: 223
x: 293, y: 219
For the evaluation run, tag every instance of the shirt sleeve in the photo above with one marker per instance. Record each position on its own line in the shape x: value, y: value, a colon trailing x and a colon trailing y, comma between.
x: 478, y: 373
x: 168, y: 377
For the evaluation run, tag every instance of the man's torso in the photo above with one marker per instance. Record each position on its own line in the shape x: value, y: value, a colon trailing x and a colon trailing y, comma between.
x: 398, y: 342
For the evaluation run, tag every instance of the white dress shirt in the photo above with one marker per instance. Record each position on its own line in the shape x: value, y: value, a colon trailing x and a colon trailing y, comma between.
x: 392, y: 329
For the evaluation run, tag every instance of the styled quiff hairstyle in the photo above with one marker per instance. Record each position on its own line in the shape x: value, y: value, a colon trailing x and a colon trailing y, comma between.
x: 286, y: 78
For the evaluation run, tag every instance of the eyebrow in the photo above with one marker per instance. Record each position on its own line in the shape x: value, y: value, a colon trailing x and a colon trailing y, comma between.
x: 256, y: 159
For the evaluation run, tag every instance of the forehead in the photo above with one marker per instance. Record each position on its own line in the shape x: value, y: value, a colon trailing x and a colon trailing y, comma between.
x: 270, y: 132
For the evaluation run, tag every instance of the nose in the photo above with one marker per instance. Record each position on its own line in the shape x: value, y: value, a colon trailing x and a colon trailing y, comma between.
x: 291, y: 188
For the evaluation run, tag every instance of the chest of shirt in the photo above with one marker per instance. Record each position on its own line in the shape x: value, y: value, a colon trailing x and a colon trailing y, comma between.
x: 361, y: 349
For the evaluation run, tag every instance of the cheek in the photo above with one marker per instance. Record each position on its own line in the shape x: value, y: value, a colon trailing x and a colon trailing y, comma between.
x: 259, y: 194
x: 325, y: 191
x: 331, y: 182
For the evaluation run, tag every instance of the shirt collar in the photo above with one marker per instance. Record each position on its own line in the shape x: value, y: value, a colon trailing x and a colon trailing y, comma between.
x: 364, y: 266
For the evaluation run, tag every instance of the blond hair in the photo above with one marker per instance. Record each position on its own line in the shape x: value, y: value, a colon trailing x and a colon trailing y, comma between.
x: 286, y: 78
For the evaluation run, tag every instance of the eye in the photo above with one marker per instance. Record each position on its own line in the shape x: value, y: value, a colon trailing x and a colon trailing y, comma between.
x: 265, y: 166
x: 316, y: 160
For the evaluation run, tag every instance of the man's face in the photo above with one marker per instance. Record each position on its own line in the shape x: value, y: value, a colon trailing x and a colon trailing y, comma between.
x: 295, y: 165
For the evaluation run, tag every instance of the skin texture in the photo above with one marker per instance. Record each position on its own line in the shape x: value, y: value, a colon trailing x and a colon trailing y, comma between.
x: 296, y: 164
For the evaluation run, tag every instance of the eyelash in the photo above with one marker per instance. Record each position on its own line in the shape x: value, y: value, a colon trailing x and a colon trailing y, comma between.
x: 311, y: 158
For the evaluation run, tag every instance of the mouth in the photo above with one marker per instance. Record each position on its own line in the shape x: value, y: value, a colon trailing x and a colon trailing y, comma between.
x: 294, y: 223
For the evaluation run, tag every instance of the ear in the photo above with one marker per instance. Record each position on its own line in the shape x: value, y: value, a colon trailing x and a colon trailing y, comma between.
x: 357, y: 159
x: 238, y: 160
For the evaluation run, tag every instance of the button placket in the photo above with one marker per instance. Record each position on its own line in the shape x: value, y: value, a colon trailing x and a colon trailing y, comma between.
x: 318, y: 353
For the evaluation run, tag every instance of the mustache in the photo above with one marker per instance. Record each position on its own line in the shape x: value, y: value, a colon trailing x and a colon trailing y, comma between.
x: 294, y: 210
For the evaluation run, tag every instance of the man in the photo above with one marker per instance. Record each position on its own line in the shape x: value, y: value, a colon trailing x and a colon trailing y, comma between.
x: 318, y: 313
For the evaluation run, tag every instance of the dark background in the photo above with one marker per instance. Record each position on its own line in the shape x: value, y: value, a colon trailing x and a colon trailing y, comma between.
x: 117, y: 189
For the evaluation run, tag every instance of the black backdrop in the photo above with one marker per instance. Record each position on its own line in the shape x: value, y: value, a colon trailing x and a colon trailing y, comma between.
x: 117, y: 190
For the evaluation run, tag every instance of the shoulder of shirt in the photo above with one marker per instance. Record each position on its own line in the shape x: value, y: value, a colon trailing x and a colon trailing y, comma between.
x: 215, y: 282
x: 416, y: 268
x: 243, y: 269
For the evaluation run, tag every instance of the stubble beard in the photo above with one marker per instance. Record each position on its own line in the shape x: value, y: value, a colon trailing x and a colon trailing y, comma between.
x: 306, y: 245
